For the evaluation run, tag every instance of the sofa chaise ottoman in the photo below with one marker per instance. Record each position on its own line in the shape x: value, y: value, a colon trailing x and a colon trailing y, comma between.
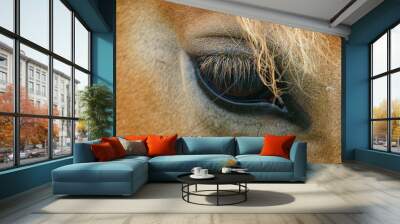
x: 88, y: 177
x: 125, y: 176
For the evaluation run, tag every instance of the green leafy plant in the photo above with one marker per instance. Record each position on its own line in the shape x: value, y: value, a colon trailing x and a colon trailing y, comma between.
x: 96, y: 102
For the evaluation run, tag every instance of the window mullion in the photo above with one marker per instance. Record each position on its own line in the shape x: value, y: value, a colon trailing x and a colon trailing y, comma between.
x: 16, y: 70
x: 73, y: 82
x: 371, y: 142
x: 389, y: 112
x: 50, y: 81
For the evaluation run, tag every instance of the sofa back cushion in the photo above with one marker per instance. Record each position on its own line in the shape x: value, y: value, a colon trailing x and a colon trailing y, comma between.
x: 161, y: 145
x: 249, y: 145
x: 83, y: 152
x: 104, y: 152
x: 275, y: 145
x: 134, y: 147
x: 116, y: 145
x: 206, y: 145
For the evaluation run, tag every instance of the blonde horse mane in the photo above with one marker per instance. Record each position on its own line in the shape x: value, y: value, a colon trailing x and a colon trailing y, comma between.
x: 289, y: 56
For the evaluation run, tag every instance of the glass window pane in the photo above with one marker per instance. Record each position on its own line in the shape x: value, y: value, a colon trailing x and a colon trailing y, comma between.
x: 7, y: 14
x: 6, y: 74
x: 6, y: 142
x: 395, y: 136
x: 34, y: 72
x: 62, y: 138
x: 81, y: 131
x: 81, y: 45
x: 62, y: 89
x: 34, y: 16
x: 395, y: 94
x: 379, y: 97
x: 62, y: 28
x: 81, y: 82
x: 33, y: 140
x: 379, y: 135
x: 379, y: 55
x: 395, y: 47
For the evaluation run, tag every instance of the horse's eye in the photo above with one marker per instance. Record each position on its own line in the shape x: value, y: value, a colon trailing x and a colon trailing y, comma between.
x: 234, y: 78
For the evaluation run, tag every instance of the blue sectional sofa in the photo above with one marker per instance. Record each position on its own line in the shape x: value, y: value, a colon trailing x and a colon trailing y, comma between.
x: 125, y: 176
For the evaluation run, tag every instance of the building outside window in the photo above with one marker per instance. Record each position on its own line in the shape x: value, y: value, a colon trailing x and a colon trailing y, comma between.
x: 60, y: 127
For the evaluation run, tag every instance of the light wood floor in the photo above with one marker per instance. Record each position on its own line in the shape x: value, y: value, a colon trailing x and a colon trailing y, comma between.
x: 379, y: 189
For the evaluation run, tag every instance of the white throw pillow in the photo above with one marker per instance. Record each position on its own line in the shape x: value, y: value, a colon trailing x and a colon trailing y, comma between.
x: 134, y: 147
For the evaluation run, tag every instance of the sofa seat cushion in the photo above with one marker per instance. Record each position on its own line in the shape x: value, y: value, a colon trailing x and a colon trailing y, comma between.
x: 133, y: 157
x: 185, y: 163
x: 257, y: 163
x: 112, y: 171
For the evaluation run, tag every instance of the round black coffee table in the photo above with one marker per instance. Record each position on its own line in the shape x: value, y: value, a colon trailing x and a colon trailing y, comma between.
x: 238, y: 179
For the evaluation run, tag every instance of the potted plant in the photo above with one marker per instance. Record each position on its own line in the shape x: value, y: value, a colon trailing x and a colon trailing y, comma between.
x: 96, y: 102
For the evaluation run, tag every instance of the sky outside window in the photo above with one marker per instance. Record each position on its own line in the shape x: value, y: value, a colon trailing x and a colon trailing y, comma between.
x: 62, y: 30
x: 379, y: 56
x: 81, y: 45
x: 35, y: 21
x: 7, y: 14
x: 395, y: 47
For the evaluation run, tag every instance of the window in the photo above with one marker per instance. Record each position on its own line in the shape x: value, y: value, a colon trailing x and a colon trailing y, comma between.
x: 81, y: 45
x: 7, y: 73
x: 3, y: 61
x: 44, y: 91
x: 34, y: 21
x: 48, y: 77
x: 6, y: 142
x: 30, y: 72
x: 3, y: 72
x: 33, y: 149
x: 62, y: 74
x: 37, y: 89
x: 385, y: 92
x: 38, y: 74
x: 30, y: 87
x: 3, y: 78
x: 62, y: 31
x: 62, y: 137
x: 81, y: 82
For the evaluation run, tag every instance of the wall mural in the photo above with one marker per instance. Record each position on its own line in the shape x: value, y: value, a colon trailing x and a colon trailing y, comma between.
x: 197, y: 72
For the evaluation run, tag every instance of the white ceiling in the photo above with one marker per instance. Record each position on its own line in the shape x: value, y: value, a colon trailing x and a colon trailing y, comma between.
x: 321, y: 9
x: 316, y: 15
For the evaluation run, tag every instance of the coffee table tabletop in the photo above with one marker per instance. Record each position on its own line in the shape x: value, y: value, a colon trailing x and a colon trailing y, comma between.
x: 220, y: 178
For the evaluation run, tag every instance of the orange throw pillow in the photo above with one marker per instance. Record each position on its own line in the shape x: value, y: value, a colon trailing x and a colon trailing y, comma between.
x: 161, y: 145
x: 277, y: 145
x: 116, y: 145
x: 103, y: 152
x: 136, y: 138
